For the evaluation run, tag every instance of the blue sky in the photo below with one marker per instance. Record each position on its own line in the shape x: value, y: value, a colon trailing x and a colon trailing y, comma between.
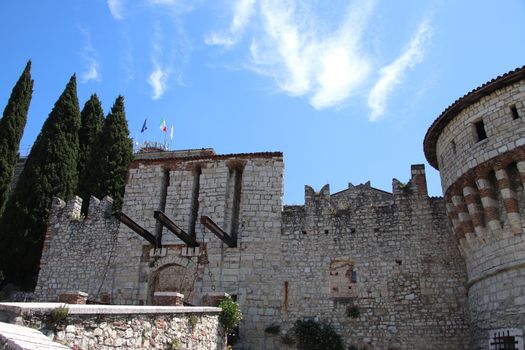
x: 346, y: 89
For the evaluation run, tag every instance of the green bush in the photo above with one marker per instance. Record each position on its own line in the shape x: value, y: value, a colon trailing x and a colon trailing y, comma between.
x: 288, y: 340
x: 174, y: 344
x: 312, y: 335
x: 192, y: 320
x: 273, y: 329
x: 353, y: 311
x: 230, y: 315
x: 57, y: 315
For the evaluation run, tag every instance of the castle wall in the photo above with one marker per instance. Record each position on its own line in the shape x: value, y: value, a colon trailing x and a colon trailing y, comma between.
x: 393, y: 260
x: 247, y: 271
x: 388, y: 254
x: 78, y: 250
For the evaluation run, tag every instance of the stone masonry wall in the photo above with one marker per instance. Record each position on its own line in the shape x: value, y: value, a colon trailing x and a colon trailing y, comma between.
x: 94, y: 327
x: 247, y: 271
x: 458, y: 149
x: 78, y: 250
x: 389, y: 254
x: 403, y: 271
x: 483, y: 181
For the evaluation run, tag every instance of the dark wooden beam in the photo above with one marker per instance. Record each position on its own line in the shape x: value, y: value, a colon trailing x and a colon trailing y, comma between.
x: 219, y: 232
x: 176, y: 230
x: 126, y: 220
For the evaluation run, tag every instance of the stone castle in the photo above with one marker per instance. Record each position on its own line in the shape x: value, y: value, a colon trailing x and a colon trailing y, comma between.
x: 388, y: 270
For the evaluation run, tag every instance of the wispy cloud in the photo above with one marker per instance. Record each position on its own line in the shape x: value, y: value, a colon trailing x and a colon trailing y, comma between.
x: 116, y: 8
x: 392, y: 74
x: 242, y: 11
x: 328, y: 67
x: 157, y: 80
x: 311, y: 56
x: 90, y: 56
x: 92, y: 73
x: 159, y: 75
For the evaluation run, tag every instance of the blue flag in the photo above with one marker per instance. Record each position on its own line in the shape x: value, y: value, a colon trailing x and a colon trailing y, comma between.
x: 144, y: 127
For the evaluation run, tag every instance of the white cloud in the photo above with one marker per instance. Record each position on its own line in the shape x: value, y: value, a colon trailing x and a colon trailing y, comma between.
x: 158, y: 80
x: 242, y: 12
x: 392, y: 74
x: 89, y: 55
x: 328, y: 67
x: 92, y: 73
x: 116, y: 9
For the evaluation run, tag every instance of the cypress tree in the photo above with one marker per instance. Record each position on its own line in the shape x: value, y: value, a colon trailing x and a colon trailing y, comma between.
x: 50, y: 170
x: 113, y: 154
x: 11, y: 129
x: 92, y: 121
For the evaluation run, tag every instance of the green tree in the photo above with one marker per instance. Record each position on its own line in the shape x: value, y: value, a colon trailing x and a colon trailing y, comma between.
x: 50, y: 170
x: 92, y: 122
x: 112, y: 155
x: 11, y: 129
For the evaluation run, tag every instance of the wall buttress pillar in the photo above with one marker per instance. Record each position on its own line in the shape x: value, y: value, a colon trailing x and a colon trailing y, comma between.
x: 509, y: 199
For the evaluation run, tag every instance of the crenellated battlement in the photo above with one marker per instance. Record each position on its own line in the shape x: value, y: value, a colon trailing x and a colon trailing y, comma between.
x: 72, y: 209
x: 355, y: 196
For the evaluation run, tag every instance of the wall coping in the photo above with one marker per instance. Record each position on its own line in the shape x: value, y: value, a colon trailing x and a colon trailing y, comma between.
x: 82, y: 309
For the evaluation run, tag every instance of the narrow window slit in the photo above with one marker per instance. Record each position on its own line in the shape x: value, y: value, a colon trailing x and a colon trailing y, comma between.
x: 481, y: 134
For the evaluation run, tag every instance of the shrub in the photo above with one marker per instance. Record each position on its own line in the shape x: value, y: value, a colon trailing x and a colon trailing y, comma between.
x: 57, y: 315
x: 192, y: 320
x: 312, y: 335
x: 273, y: 329
x: 174, y: 344
x: 230, y: 315
x: 353, y: 311
x: 288, y: 340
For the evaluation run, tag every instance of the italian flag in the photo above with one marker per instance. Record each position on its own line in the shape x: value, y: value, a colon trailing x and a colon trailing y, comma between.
x: 163, y: 126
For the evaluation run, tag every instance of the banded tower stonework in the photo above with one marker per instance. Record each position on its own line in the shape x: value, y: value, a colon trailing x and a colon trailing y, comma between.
x: 478, y: 145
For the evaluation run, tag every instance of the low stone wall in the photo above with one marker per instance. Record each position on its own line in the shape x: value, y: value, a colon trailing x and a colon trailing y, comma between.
x: 121, y: 327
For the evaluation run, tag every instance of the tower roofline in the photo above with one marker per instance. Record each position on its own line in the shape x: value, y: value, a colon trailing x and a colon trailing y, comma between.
x: 432, y: 135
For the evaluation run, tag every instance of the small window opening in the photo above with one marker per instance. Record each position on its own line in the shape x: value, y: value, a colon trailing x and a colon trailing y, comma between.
x: 453, y: 145
x: 399, y: 262
x: 514, y: 111
x: 354, y: 277
x: 506, y: 339
x: 325, y: 232
x: 480, y: 130
x: 303, y: 232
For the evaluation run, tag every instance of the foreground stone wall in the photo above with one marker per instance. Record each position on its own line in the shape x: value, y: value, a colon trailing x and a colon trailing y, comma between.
x: 94, y: 327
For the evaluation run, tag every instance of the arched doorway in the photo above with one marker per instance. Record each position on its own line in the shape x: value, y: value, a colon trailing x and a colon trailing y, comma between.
x: 174, y: 274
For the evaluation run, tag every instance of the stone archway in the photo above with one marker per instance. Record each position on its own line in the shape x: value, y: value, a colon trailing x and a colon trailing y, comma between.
x: 174, y: 274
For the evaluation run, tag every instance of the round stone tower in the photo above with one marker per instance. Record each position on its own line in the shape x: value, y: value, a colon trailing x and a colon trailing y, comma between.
x: 478, y: 146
